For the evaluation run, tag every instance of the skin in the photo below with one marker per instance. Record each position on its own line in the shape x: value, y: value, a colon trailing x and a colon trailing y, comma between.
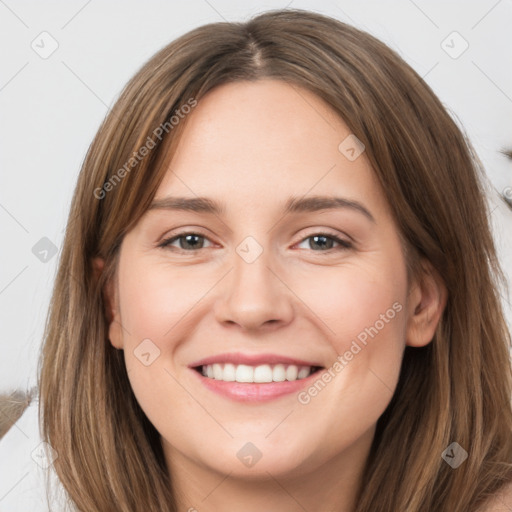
x: 251, y: 146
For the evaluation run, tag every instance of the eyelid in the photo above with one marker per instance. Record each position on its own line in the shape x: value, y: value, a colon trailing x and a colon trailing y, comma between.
x: 165, y: 241
x: 339, y: 239
x: 344, y: 243
x: 183, y: 231
x: 328, y: 232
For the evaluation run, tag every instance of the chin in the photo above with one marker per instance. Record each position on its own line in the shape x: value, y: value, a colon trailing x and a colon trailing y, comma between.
x: 260, y: 458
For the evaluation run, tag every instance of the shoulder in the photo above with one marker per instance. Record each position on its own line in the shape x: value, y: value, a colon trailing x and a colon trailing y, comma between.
x: 500, y: 502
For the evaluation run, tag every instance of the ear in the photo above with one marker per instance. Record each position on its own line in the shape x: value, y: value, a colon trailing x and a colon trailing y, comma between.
x: 426, y: 302
x: 110, y: 296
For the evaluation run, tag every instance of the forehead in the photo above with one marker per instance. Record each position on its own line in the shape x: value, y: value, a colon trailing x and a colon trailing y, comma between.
x: 252, y: 142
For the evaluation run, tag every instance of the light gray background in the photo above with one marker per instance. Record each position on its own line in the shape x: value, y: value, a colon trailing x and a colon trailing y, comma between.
x: 50, y: 109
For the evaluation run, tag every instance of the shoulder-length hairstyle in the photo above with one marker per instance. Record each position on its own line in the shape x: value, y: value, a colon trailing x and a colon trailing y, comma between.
x: 456, y: 389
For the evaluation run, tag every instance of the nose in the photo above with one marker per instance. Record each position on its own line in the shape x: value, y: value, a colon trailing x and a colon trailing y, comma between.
x: 254, y: 296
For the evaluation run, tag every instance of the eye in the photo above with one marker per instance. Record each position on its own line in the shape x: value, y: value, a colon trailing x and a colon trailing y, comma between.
x: 186, y: 242
x: 325, y: 242
x: 190, y: 242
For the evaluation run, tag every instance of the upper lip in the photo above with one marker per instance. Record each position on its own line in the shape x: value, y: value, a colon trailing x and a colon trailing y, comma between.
x: 252, y: 360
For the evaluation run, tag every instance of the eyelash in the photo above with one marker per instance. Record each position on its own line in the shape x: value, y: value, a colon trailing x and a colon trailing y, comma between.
x: 165, y: 244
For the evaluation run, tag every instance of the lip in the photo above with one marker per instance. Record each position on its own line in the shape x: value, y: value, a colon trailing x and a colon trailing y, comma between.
x: 254, y: 392
x: 252, y: 360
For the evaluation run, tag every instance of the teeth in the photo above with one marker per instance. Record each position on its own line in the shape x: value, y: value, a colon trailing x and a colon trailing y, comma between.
x: 303, y: 373
x: 278, y: 373
x: 292, y: 373
x: 218, y: 372
x: 229, y: 374
x: 263, y: 373
x: 243, y: 373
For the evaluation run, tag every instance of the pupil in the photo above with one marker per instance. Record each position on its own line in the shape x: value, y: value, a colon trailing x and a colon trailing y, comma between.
x: 322, y: 244
x: 188, y: 239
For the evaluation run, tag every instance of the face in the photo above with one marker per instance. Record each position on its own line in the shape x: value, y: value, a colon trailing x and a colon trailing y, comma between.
x: 259, y: 337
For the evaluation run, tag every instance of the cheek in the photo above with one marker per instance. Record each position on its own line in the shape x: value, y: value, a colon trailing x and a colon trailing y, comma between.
x: 365, y: 313
x: 360, y: 301
x: 147, y: 314
x: 155, y: 300
x: 158, y: 308
x: 363, y: 307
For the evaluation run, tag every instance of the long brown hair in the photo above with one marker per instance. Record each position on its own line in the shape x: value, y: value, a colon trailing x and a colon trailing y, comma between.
x: 456, y: 389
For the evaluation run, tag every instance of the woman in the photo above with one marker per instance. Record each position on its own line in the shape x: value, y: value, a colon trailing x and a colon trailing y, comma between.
x: 278, y: 288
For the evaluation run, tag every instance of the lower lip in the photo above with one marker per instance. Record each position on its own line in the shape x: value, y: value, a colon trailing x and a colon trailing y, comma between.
x: 255, y: 392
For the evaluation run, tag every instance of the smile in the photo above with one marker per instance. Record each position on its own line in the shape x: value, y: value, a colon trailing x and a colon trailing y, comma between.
x: 254, y: 377
x: 264, y: 373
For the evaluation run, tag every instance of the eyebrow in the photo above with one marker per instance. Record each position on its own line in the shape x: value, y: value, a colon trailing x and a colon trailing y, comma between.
x: 293, y: 205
